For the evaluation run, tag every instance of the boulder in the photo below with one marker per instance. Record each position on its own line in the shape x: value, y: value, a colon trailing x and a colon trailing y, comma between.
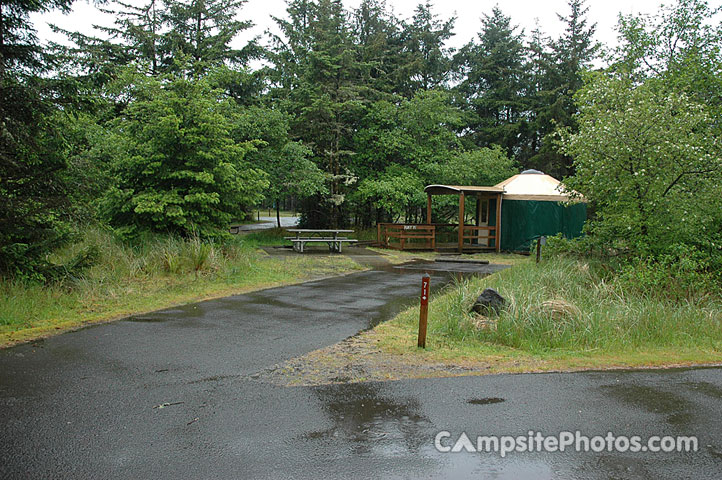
x: 489, y: 303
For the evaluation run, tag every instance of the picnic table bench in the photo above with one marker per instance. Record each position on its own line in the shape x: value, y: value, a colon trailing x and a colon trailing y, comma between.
x: 328, y: 236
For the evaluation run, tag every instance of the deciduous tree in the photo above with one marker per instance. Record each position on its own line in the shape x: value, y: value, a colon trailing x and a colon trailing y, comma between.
x: 646, y: 157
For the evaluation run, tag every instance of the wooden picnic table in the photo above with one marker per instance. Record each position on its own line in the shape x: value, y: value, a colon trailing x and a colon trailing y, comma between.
x: 314, y: 235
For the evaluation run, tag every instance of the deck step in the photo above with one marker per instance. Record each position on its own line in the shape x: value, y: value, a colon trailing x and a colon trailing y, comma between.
x: 462, y: 260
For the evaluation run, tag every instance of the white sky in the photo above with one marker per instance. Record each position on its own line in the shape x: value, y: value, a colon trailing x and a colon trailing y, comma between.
x: 523, y: 13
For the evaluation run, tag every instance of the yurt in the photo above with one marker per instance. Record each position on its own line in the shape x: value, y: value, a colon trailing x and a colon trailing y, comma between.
x: 534, y: 204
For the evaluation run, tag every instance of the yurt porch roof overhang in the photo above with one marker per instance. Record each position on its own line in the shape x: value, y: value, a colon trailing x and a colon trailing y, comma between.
x: 457, y: 189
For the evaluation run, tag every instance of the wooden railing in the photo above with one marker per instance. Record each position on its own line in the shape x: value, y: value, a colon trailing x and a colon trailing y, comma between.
x: 406, y: 236
x: 482, y: 236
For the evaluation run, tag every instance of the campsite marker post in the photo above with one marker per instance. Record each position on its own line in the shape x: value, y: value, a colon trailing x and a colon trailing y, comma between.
x: 541, y: 241
x: 424, y: 309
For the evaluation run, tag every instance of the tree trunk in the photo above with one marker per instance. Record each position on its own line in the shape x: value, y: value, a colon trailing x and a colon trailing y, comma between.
x: 2, y: 44
x: 154, y: 51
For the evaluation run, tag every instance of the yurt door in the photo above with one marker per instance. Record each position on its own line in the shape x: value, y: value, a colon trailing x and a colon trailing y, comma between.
x: 482, y: 220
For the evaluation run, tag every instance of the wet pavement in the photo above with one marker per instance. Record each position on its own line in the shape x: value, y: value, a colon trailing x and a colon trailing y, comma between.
x: 267, y: 223
x: 174, y: 395
x: 460, y: 267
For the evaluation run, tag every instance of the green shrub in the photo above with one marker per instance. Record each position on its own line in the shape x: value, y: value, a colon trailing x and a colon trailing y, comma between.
x: 676, y: 272
x: 681, y: 273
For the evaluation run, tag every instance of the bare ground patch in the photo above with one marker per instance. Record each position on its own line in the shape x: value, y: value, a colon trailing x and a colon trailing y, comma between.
x: 359, y: 359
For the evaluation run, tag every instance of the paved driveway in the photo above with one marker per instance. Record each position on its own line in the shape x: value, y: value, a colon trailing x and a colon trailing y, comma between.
x: 173, y: 395
x: 269, y: 222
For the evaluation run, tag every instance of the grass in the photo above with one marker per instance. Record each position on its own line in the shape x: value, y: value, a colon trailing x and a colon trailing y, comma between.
x: 267, y: 238
x: 562, y: 314
x: 160, y: 272
x: 365, y: 234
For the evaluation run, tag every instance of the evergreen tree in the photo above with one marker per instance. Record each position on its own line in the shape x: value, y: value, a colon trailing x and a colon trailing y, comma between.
x: 379, y: 44
x: 141, y: 29
x: 493, y: 85
x: 571, y: 54
x: 32, y: 192
x: 426, y: 61
x: 200, y: 32
x: 318, y: 70
x: 165, y: 36
x: 539, y: 95
x: 135, y: 38
x: 575, y: 51
x: 289, y: 51
x: 179, y: 169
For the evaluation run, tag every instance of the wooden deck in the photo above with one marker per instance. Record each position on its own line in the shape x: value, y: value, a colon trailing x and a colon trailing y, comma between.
x: 437, y: 237
x: 432, y: 236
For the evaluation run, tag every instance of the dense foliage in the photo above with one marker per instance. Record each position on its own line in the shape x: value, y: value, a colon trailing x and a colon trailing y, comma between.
x: 648, y: 153
x: 159, y: 123
x: 179, y: 170
x: 31, y: 162
x: 648, y: 158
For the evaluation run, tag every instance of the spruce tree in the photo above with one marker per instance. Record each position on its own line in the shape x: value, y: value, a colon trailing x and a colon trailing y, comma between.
x: 539, y: 92
x: 426, y: 59
x: 200, y: 33
x: 493, y: 84
x: 180, y: 169
x: 571, y: 54
x: 317, y: 74
x: 379, y: 43
x: 32, y: 192
x: 140, y: 28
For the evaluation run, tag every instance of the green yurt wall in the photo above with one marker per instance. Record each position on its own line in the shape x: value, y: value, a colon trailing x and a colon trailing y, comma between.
x: 522, y: 221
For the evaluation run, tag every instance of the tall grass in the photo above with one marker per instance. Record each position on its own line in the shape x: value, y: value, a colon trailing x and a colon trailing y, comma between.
x: 570, y: 305
x: 269, y: 237
x: 155, y: 272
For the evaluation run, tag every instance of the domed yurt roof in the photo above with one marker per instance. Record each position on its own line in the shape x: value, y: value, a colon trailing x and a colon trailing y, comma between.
x: 534, y: 185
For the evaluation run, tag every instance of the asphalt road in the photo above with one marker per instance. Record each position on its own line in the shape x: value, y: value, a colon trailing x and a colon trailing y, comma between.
x: 173, y: 395
x: 269, y: 222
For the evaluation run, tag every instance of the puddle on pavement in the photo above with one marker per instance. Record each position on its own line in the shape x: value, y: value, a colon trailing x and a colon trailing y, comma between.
x: 451, y: 267
x: 371, y: 423
x: 676, y: 408
x: 367, y: 422
x: 705, y: 388
x: 613, y: 466
x: 147, y: 319
x: 183, y: 312
x: 266, y: 300
x: 485, y: 401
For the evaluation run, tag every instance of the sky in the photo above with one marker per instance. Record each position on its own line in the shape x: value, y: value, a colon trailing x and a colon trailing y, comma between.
x: 524, y: 13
